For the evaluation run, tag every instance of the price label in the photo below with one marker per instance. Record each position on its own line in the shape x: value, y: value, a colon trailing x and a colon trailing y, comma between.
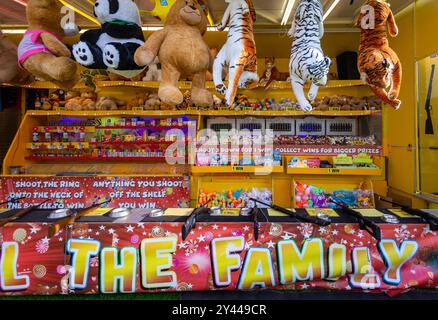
x: 238, y: 169
x: 99, y: 212
x: 230, y: 212
x: 334, y: 171
x: 316, y: 211
x: 184, y: 212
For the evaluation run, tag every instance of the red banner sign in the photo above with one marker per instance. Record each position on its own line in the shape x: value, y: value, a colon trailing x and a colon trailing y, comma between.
x: 152, y: 257
x: 79, y: 192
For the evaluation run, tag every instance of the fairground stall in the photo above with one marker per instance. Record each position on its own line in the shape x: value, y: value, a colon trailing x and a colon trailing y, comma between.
x: 218, y: 145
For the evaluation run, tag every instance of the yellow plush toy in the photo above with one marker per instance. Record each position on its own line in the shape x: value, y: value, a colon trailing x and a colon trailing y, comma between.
x: 161, y: 9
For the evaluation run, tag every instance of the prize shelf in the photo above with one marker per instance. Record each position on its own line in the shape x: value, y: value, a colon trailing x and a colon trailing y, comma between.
x: 335, y: 171
x: 58, y: 129
x: 191, y: 112
x: 79, y: 86
x: 90, y: 129
x: 134, y: 143
x: 183, y: 85
x: 56, y: 159
x: 236, y: 169
x: 86, y: 145
x: 141, y: 127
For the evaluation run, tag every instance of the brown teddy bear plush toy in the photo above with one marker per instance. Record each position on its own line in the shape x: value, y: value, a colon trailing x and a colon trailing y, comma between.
x: 42, y: 52
x: 182, y: 52
x: 110, y: 103
x: 10, y: 71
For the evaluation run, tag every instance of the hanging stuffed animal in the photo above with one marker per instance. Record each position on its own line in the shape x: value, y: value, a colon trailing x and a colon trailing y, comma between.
x: 10, y: 72
x: 182, y: 52
x: 41, y: 51
x: 378, y: 64
x: 239, y: 52
x: 113, y: 46
x: 308, y: 62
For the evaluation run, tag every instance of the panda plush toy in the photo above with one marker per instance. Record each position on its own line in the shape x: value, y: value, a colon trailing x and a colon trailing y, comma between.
x: 113, y: 46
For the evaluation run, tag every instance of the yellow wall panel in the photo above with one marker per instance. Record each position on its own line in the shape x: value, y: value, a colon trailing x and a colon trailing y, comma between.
x: 426, y: 23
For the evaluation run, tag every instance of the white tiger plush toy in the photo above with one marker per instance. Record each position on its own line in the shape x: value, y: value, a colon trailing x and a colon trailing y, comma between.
x: 239, y: 52
x: 308, y: 62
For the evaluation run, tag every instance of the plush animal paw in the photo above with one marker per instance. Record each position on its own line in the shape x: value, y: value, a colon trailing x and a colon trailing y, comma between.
x: 311, y: 95
x: 83, y: 54
x: 245, y: 8
x: 221, y: 27
x: 170, y: 95
x: 111, y: 57
x: 221, y: 89
x: 202, y: 97
x: 396, y: 103
x: 144, y: 57
x: 306, y: 107
x: 392, y: 96
x: 249, y: 80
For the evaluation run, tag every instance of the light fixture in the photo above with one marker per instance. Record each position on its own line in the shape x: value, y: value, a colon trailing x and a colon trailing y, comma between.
x: 14, y: 31
x: 151, y: 28
x: 24, y: 4
x: 330, y: 9
x: 287, y: 12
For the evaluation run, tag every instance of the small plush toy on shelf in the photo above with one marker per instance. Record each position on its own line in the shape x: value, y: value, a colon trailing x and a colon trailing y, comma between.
x: 153, y: 71
x: 182, y: 51
x: 308, y: 62
x: 272, y: 73
x: 113, y: 46
x: 239, y: 52
x: 378, y: 64
x: 41, y: 51
x: 161, y: 9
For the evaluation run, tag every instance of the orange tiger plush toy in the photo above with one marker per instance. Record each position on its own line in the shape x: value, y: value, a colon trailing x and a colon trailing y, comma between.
x: 378, y: 64
x: 238, y: 55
